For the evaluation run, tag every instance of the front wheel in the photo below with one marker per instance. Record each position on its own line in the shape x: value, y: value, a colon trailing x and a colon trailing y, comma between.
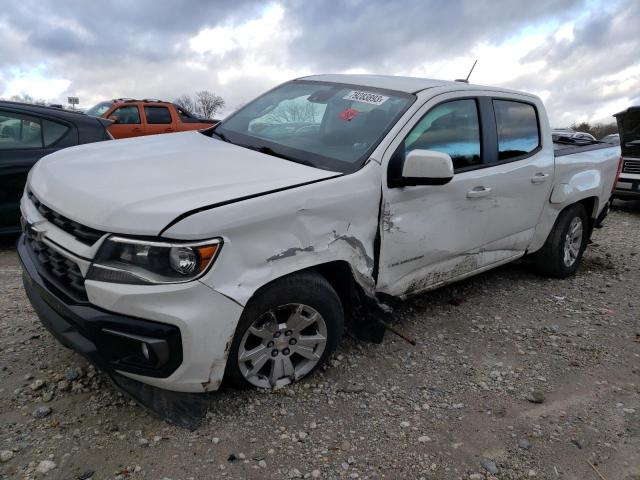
x: 562, y: 252
x: 287, y: 330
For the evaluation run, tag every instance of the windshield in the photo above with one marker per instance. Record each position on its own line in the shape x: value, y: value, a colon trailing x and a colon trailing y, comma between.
x: 629, y: 126
x: 325, y: 125
x: 98, y: 109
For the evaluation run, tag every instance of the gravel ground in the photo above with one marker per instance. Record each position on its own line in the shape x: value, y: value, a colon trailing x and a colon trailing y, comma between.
x: 514, y: 376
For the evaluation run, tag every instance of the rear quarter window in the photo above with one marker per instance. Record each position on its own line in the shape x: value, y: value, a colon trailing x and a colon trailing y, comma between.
x: 518, y: 129
x: 52, y: 132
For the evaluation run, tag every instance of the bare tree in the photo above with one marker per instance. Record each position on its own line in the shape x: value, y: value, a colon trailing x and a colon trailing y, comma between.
x: 208, y: 103
x: 186, y: 102
x: 26, y: 98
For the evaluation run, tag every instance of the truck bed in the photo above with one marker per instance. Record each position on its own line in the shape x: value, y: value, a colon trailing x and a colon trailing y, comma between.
x: 561, y: 148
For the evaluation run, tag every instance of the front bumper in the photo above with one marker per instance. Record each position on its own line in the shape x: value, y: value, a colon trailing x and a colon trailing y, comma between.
x: 186, y: 328
x: 112, y: 342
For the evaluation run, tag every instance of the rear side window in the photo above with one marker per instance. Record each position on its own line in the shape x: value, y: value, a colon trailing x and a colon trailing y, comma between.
x: 452, y: 128
x: 157, y: 114
x: 126, y: 115
x: 518, y: 132
x: 52, y: 132
x: 19, y: 131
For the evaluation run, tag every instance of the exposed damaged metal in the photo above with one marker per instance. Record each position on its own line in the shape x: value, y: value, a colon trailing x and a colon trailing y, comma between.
x: 290, y: 252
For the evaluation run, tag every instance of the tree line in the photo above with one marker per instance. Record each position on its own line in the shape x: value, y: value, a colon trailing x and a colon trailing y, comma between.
x: 598, y: 130
x: 204, y: 104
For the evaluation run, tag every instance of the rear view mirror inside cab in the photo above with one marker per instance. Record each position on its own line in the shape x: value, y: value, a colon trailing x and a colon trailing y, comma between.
x: 427, y: 167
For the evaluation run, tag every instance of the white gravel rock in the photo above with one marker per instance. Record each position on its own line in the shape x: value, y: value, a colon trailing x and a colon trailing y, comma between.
x: 45, y: 466
x: 6, y: 455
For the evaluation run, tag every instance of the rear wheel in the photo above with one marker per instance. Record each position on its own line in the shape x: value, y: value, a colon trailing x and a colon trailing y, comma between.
x: 286, y: 331
x: 562, y: 252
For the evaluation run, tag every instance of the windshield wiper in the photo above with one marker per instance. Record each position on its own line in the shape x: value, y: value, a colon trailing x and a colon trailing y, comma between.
x: 219, y: 135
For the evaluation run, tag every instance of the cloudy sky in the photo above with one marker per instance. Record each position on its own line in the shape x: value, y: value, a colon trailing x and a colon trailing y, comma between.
x: 581, y: 57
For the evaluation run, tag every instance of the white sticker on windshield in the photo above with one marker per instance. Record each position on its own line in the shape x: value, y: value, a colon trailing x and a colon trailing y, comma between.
x: 365, y: 97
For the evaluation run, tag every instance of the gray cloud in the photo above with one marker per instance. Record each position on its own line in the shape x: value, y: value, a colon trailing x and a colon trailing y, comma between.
x: 578, y: 71
x: 141, y: 48
x: 398, y: 34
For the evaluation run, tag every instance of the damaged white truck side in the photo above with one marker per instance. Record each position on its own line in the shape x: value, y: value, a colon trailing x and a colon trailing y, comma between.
x: 179, y: 260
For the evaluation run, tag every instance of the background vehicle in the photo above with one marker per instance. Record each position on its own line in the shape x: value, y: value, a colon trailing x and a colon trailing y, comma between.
x: 134, y: 118
x: 568, y: 133
x: 629, y: 127
x: 27, y: 133
x: 613, y: 139
x: 249, y: 244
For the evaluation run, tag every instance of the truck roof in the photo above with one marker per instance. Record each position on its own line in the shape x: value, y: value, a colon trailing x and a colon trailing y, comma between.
x: 401, y: 84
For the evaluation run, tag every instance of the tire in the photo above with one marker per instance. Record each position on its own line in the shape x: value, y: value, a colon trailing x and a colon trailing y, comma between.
x: 287, y: 316
x: 556, y: 259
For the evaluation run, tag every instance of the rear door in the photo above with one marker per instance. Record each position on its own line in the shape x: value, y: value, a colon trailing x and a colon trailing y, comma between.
x: 521, y: 175
x: 128, y: 122
x: 24, y: 139
x: 158, y: 119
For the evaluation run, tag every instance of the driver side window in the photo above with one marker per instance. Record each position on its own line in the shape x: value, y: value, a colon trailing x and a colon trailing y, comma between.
x: 127, y: 115
x: 452, y: 128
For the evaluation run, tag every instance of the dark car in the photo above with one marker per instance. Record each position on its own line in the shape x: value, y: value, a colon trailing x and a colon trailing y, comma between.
x: 28, y: 133
x: 628, y: 186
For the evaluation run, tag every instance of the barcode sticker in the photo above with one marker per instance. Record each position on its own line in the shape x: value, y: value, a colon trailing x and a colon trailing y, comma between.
x: 365, y: 97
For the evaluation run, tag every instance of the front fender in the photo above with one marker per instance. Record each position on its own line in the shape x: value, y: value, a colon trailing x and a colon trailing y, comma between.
x: 274, y: 235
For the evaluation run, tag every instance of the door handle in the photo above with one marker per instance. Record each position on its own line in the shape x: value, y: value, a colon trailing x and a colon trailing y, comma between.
x: 539, y: 177
x: 169, y: 130
x: 477, y: 192
x: 137, y: 129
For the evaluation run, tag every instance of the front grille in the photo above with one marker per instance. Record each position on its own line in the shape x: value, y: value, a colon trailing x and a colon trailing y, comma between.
x: 86, y: 235
x: 631, y: 166
x: 64, y: 272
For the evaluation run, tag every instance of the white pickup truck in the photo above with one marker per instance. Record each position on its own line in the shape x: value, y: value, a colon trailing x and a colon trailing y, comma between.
x: 179, y: 260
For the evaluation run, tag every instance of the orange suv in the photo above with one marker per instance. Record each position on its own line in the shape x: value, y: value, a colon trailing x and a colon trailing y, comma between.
x: 134, y: 118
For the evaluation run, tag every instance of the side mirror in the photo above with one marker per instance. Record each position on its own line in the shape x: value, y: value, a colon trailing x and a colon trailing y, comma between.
x: 113, y: 118
x: 427, y: 167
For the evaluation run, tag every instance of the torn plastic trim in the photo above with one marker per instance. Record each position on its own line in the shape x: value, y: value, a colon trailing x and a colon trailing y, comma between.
x: 186, y: 410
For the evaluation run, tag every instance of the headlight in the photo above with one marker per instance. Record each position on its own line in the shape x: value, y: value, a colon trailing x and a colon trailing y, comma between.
x: 128, y: 260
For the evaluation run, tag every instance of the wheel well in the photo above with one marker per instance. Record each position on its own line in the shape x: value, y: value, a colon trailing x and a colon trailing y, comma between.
x: 589, y: 204
x: 340, y: 277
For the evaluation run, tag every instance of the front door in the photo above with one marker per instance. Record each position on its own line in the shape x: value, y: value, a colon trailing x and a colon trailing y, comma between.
x: 128, y: 122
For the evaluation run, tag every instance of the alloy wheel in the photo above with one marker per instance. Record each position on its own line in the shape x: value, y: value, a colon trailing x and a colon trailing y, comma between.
x: 282, y: 345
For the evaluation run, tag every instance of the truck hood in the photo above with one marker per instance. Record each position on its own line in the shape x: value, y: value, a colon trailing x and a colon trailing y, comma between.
x: 139, y: 185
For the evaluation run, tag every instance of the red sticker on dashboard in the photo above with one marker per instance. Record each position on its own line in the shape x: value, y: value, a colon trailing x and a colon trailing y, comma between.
x: 349, y: 114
